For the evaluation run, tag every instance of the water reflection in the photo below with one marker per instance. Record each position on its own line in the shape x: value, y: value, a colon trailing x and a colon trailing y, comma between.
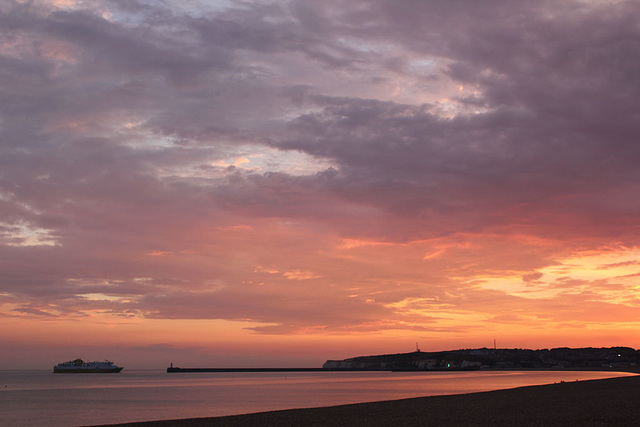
x: 42, y: 398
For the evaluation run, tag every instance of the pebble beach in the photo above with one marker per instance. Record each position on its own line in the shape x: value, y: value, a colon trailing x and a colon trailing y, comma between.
x: 604, y: 402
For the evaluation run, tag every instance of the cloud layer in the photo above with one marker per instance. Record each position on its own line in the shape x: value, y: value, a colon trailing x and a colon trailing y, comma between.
x: 322, y: 168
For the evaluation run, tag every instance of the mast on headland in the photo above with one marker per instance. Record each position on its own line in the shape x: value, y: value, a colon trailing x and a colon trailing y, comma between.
x: 417, y: 348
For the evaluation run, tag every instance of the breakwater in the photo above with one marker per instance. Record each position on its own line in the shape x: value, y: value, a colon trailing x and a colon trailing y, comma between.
x: 173, y: 369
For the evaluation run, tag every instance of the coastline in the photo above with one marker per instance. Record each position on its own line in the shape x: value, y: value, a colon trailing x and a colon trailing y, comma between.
x: 611, y: 401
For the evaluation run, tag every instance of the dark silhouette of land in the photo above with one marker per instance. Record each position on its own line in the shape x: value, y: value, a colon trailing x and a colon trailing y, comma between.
x: 616, y: 358
x: 612, y: 358
x: 607, y: 402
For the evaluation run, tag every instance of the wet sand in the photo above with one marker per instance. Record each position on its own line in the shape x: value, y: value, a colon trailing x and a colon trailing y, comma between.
x: 606, y: 402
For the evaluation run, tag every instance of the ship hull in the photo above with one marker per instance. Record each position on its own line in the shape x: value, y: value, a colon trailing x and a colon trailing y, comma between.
x: 78, y: 366
x: 114, y: 370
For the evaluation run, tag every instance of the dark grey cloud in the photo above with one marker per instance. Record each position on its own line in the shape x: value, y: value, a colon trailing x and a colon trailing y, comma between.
x: 557, y: 117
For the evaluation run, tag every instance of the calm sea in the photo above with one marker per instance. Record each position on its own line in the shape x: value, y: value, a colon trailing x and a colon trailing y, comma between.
x: 41, y: 398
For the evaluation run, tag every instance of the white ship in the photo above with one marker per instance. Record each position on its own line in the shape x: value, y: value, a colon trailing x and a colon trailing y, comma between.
x: 79, y: 366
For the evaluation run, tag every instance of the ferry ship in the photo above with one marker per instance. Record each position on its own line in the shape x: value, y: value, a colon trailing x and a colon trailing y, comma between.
x: 79, y: 366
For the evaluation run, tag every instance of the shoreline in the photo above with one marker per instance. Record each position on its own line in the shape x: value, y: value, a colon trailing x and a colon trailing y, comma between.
x: 611, y: 401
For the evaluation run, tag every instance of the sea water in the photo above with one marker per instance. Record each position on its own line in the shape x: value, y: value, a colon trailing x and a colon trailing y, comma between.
x: 41, y: 398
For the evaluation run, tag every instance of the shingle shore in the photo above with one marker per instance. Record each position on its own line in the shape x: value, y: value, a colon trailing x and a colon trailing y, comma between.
x: 605, y: 402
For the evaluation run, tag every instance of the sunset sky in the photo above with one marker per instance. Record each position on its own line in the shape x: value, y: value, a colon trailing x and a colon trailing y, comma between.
x: 277, y: 183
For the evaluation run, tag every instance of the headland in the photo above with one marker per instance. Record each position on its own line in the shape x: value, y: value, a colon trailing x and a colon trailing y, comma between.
x: 563, y: 358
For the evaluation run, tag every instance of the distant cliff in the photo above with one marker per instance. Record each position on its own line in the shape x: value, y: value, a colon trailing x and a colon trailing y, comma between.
x: 488, y: 358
